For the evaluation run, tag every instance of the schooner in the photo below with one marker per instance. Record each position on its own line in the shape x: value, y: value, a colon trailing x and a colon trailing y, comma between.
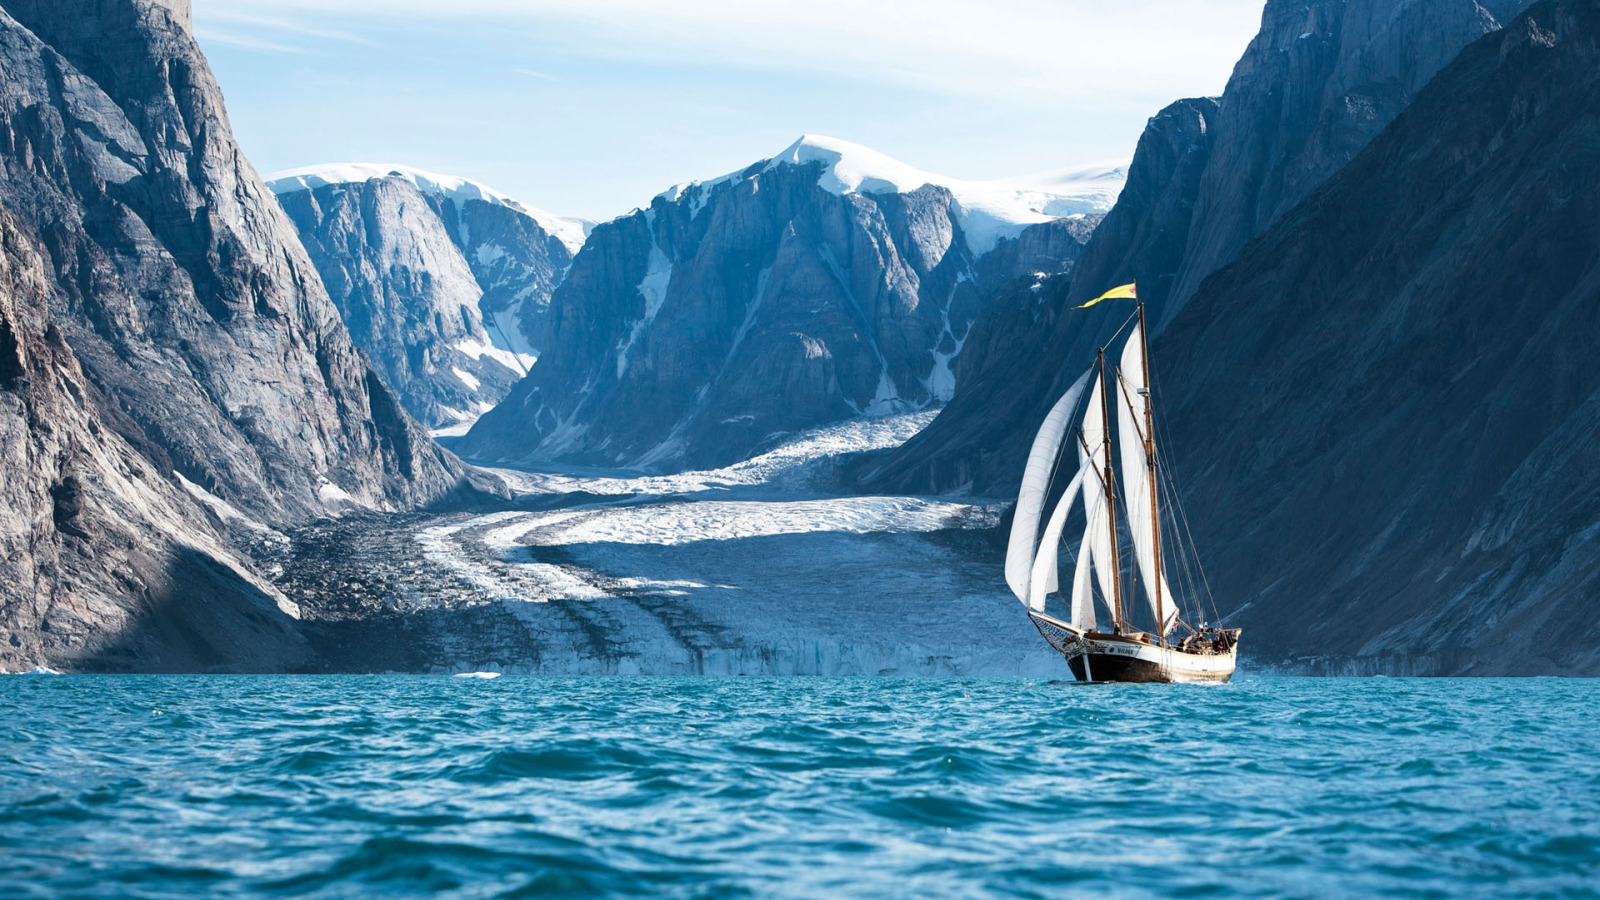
x: 1110, y: 474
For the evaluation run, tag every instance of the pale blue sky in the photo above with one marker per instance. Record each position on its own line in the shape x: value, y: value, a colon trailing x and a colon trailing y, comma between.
x: 590, y: 107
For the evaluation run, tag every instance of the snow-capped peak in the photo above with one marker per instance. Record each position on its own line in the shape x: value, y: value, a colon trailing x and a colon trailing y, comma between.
x: 987, y: 210
x: 568, y: 230
x: 853, y: 169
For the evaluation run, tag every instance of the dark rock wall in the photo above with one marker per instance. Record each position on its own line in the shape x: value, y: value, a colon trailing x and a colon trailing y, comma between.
x: 1318, y: 82
x: 1386, y: 411
x: 105, y: 563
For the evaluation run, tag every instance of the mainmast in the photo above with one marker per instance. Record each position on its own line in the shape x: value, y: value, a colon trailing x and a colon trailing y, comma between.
x: 1150, y: 465
x: 1111, y: 501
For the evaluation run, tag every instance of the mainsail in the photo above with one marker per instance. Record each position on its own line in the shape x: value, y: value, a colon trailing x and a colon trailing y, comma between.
x: 1136, y: 481
x: 1082, y: 612
x: 1035, y: 485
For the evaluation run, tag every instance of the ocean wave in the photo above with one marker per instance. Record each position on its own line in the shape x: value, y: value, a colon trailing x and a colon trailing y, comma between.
x: 693, y: 787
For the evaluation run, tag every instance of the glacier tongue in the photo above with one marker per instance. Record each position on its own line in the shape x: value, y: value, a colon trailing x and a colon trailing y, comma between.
x: 750, y: 569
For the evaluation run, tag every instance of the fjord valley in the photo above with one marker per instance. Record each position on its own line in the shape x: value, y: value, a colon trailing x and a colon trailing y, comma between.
x: 773, y: 422
x: 367, y: 530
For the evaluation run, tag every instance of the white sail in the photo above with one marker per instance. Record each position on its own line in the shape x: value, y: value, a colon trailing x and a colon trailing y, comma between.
x: 1035, y: 484
x: 1082, y: 613
x: 1135, y: 476
x: 1096, y: 534
x: 1042, y: 579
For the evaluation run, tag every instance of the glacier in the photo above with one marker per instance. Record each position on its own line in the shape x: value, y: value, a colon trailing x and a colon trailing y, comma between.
x: 757, y: 568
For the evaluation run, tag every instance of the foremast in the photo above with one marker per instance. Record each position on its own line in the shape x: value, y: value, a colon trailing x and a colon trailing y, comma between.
x: 1110, y: 484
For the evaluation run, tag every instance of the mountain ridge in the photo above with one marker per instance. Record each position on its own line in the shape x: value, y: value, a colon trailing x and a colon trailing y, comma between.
x: 767, y: 301
x: 570, y: 230
x: 991, y: 210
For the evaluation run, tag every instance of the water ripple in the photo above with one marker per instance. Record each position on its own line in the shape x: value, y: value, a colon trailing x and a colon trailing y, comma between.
x: 522, y: 787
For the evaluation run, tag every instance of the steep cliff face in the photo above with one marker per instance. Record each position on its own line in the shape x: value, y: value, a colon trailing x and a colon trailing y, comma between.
x: 1386, y: 409
x: 444, y: 283
x: 825, y: 283
x: 180, y: 285
x: 107, y: 563
x: 1317, y: 83
x: 170, y: 367
x: 1001, y: 382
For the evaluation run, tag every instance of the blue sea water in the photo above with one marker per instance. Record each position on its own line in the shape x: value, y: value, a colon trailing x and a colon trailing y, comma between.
x: 702, y: 787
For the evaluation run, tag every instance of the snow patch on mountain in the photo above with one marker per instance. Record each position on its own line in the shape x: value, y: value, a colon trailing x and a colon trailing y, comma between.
x: 989, y: 211
x: 516, y: 362
x: 653, y: 288
x: 568, y: 230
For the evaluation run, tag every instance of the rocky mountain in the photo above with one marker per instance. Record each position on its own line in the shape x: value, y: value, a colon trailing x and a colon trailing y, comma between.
x: 171, y: 364
x: 445, y: 283
x: 1318, y: 82
x: 826, y: 282
x: 108, y: 562
x: 1385, y: 410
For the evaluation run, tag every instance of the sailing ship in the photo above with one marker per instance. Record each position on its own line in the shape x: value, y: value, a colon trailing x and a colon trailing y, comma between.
x: 1110, y: 473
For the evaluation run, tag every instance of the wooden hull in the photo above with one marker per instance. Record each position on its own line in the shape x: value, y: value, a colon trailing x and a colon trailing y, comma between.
x: 1107, y: 657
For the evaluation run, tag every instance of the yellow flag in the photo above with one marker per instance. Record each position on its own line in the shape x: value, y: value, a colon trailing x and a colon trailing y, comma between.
x: 1121, y: 292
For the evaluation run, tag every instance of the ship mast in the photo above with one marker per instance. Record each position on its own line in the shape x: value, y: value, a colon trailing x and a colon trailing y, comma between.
x: 1111, y: 501
x: 1150, y: 465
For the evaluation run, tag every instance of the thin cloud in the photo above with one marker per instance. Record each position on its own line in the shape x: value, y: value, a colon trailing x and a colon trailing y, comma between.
x: 951, y: 47
x: 247, y: 42
x: 280, y: 24
x: 973, y: 88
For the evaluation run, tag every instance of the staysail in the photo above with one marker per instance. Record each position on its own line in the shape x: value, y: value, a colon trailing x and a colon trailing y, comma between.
x: 1096, y: 553
x: 1135, y: 480
x: 1042, y: 580
x: 1023, y: 545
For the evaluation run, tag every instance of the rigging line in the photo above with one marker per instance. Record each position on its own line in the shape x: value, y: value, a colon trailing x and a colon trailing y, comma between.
x: 1130, y: 566
x: 1186, y: 562
x: 1192, y: 561
x: 1180, y: 526
x: 1115, y: 334
x: 1203, y: 579
x: 1122, y: 383
x: 1178, y: 516
x: 1183, y: 514
x: 1184, y: 580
